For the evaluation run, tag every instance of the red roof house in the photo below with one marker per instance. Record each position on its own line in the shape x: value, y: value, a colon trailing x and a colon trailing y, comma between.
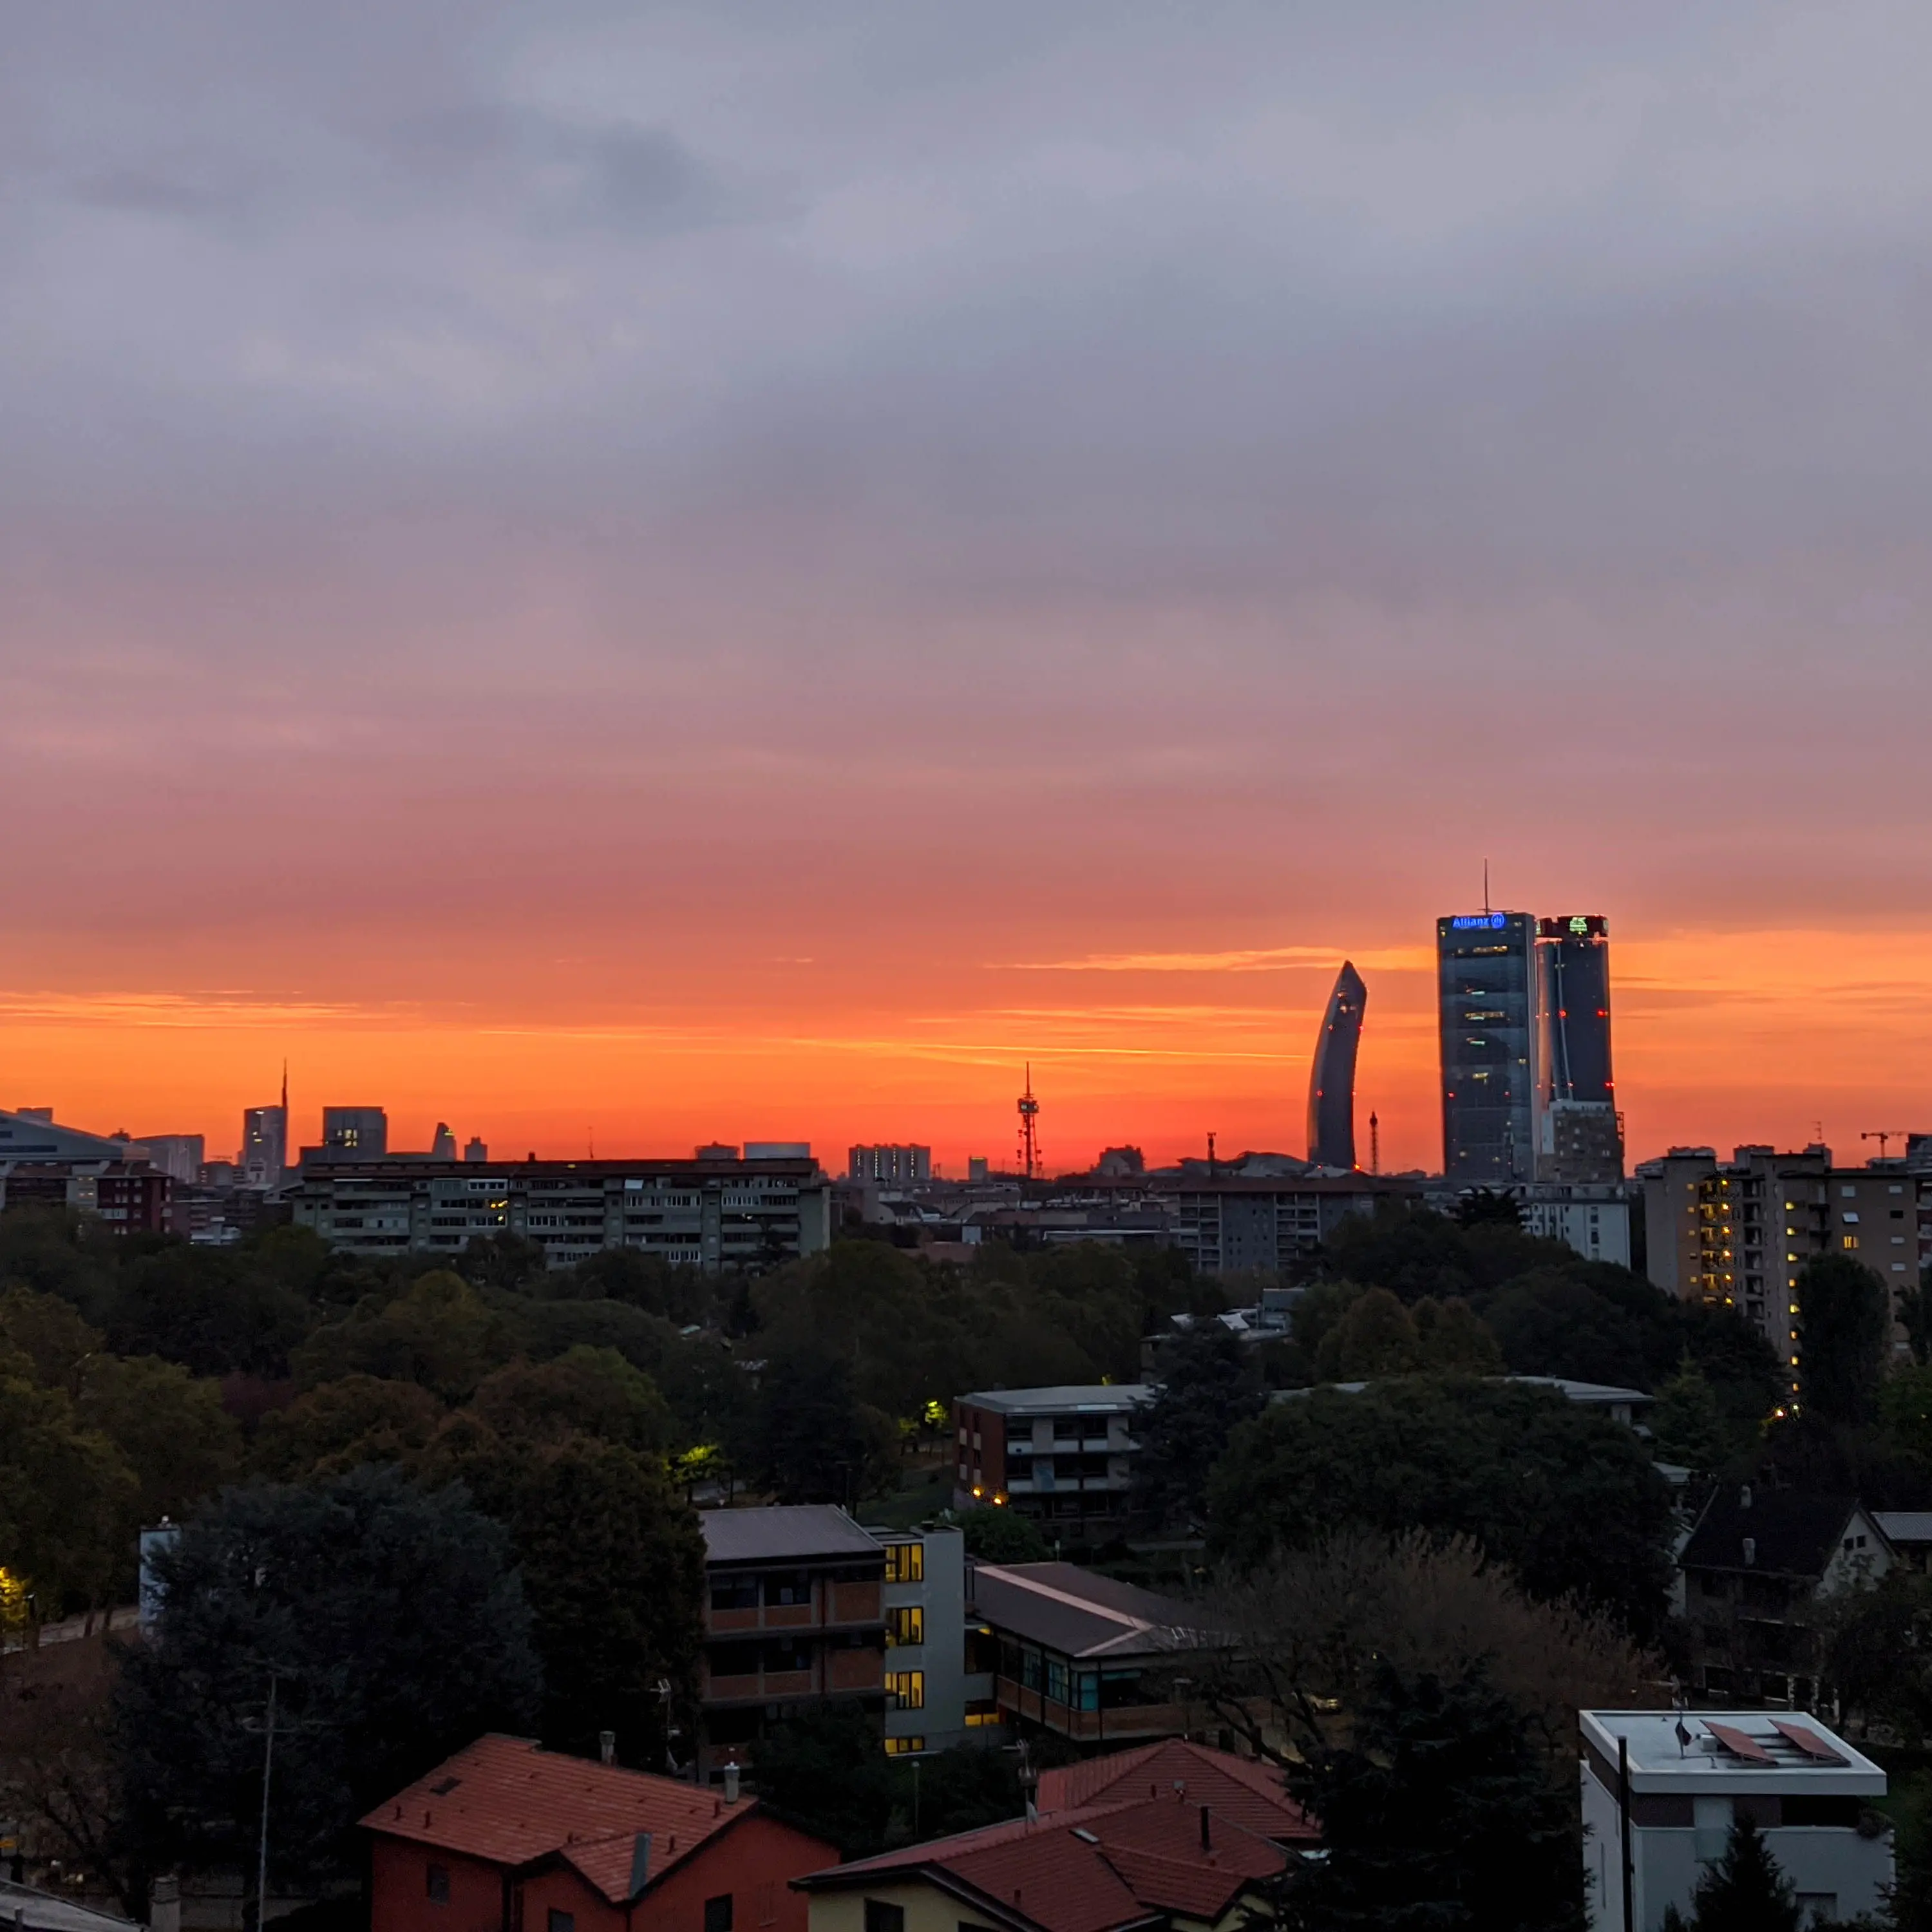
x: 506, y: 1837
x: 1170, y: 1836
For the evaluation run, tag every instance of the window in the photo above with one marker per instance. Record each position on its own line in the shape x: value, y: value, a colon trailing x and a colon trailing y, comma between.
x: 907, y: 1689
x: 905, y: 1563
x: 905, y: 1623
x: 1851, y: 1240
x: 717, y: 1913
x: 1850, y: 1220
x: 790, y: 1588
x: 734, y: 1593
x: 881, y: 1917
x: 904, y: 1746
x: 982, y: 1711
x: 437, y: 1884
x: 561, y: 1921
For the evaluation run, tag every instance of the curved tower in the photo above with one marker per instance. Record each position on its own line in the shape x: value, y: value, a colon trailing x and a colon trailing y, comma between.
x: 1331, y: 1080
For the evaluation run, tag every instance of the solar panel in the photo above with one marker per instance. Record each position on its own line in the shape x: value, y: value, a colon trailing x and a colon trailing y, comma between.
x: 1809, y: 1742
x: 1739, y: 1744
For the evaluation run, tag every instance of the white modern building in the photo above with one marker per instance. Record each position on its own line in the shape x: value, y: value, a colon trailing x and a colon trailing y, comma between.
x: 1662, y: 1790
x: 927, y: 1688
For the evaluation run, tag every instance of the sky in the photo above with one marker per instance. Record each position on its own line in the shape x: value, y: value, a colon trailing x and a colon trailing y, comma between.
x: 619, y: 575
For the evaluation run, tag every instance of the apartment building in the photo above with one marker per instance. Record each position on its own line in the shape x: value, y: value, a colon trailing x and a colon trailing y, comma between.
x: 931, y: 1702
x: 1062, y: 1456
x: 719, y: 1213
x: 1228, y: 1224
x: 794, y: 1616
x: 1737, y: 1232
x: 1662, y: 1790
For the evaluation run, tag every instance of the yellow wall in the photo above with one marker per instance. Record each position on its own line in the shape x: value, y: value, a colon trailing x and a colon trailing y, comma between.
x: 927, y: 1908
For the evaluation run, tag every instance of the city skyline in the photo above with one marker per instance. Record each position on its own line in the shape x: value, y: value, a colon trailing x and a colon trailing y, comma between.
x: 653, y: 573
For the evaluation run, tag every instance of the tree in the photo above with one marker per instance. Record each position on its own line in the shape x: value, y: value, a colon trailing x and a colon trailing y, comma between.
x: 1209, y: 1382
x: 438, y: 1332
x: 505, y: 1261
x: 170, y: 1427
x: 1481, y: 1207
x: 1843, y: 1327
x: 1905, y: 1413
x: 1877, y: 1652
x: 1001, y: 1536
x: 1375, y: 1337
x: 49, y: 1334
x: 1566, y: 1497
x: 67, y: 1505
x: 1438, y: 1815
x: 648, y: 1281
x: 393, y: 1632
x: 612, y: 1562
x: 590, y: 1391
x: 1914, y: 1314
x: 207, y: 1309
x: 1309, y: 1625
x: 341, y: 1425
x: 1910, y: 1901
x: 815, y: 1440
x: 1744, y: 1890
x: 1686, y: 1425
x: 1454, y: 1340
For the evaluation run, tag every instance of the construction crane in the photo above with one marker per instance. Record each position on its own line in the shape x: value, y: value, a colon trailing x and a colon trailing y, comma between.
x: 1885, y: 1136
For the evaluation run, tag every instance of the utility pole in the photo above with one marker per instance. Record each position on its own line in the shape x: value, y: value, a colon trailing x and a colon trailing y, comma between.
x: 267, y: 1771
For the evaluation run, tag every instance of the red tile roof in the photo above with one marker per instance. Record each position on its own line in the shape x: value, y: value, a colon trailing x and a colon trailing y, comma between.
x: 1250, y: 1794
x: 1095, y: 1868
x: 509, y: 1801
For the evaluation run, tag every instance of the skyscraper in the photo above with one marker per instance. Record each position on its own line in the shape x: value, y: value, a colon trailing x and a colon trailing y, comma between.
x: 1331, y: 1079
x: 265, y: 1145
x: 1484, y: 974
x: 1577, y: 1138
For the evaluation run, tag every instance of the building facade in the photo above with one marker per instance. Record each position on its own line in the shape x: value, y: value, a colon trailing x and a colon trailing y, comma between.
x: 719, y: 1215
x: 1331, y: 1076
x: 1594, y: 1220
x: 889, y: 1166
x: 355, y: 1133
x: 1062, y: 1456
x: 264, y: 1155
x: 1228, y: 1224
x: 1485, y: 975
x: 1663, y: 1789
x: 1579, y: 1137
x: 931, y: 1704
x: 794, y: 1616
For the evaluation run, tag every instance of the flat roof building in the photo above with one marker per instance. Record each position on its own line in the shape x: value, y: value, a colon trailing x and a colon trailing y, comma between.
x: 1671, y: 1784
x: 1062, y: 1456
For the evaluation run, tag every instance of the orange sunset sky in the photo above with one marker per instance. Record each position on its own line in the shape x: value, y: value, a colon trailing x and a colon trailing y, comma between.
x: 635, y: 574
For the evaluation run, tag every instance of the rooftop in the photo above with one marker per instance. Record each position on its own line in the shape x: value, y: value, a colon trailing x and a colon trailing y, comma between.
x: 782, y: 1533
x: 1904, y: 1525
x: 28, y: 1906
x: 1107, y: 1398
x: 1792, y: 1532
x: 1080, y: 1615
x: 508, y: 1801
x: 1251, y: 1794
x: 1728, y: 1750
x: 1092, y: 1870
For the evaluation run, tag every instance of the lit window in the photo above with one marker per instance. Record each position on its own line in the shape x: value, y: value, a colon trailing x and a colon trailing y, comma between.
x: 904, y: 1746
x: 905, y: 1562
x: 907, y: 1689
x: 905, y: 1623
x: 1851, y: 1240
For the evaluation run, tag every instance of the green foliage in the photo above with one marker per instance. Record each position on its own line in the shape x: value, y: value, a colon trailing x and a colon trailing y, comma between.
x: 1001, y: 1536
x: 813, y: 1440
x: 504, y: 1261
x: 1686, y: 1427
x: 590, y: 1391
x: 1374, y: 1337
x: 439, y: 1332
x: 1911, y: 1899
x: 1209, y: 1381
x: 1914, y: 1315
x: 827, y: 1771
x: 1744, y: 1890
x: 340, y: 1425
x: 612, y: 1564
x: 648, y: 1281
x: 1452, y: 1339
x: 1844, y: 1327
x: 170, y: 1427
x: 49, y: 1332
x: 1566, y: 1497
x: 1877, y: 1653
x: 209, y: 1310
x: 1905, y: 1415
x: 395, y: 1632
x: 1439, y: 1814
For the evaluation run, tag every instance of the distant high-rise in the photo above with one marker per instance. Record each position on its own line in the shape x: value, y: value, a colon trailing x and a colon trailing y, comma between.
x: 357, y: 1133
x: 443, y: 1146
x: 477, y: 1151
x: 891, y: 1166
x: 1331, y: 1079
x: 1485, y: 978
x: 1577, y: 1137
x: 264, y: 1146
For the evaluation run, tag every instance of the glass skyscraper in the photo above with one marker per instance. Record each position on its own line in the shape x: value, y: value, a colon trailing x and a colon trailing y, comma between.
x: 1331, y: 1080
x: 1485, y: 968
x: 1577, y: 1136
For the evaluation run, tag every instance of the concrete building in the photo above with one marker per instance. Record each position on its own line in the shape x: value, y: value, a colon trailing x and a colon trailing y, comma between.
x: 180, y: 1156
x: 1592, y: 1219
x: 931, y: 1704
x: 716, y: 1214
x: 794, y: 1616
x: 30, y: 1134
x: 889, y: 1165
x: 264, y: 1155
x: 1737, y: 1232
x: 1228, y: 1223
x: 355, y: 1133
x: 1062, y: 1456
x: 1662, y: 1789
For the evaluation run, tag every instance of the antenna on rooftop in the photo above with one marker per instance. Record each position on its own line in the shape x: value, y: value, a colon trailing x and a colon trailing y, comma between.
x: 1486, y: 885
x: 1374, y: 1144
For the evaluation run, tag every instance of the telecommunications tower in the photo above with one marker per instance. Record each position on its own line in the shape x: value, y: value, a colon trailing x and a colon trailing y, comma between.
x: 1029, y: 1109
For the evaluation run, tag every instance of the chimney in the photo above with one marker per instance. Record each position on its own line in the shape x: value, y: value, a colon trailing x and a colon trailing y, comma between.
x: 164, y: 1903
x: 1206, y: 1832
x: 640, y: 1863
x: 1750, y: 1551
x: 606, y: 1747
x: 730, y: 1784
